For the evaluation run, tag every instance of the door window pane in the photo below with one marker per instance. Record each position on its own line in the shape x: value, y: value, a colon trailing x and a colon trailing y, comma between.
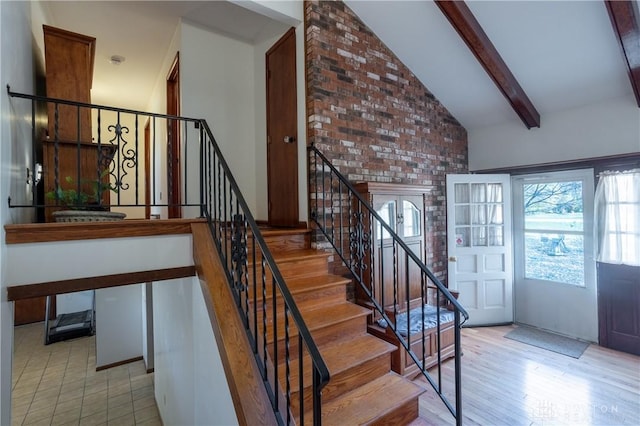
x: 478, y: 215
x: 496, y: 236
x: 462, y: 193
x: 463, y: 237
x: 388, y: 213
x: 410, y: 219
x: 494, y: 192
x: 554, y: 257
x: 553, y: 238
x: 479, y: 236
x: 478, y: 193
x: 462, y: 215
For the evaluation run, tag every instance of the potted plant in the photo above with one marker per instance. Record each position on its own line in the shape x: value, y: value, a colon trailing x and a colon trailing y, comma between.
x: 84, y: 205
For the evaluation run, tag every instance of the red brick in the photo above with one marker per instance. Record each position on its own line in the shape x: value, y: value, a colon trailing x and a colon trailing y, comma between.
x: 375, y: 103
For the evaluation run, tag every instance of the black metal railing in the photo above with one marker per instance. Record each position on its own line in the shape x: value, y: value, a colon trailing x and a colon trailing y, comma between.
x: 279, y: 337
x: 293, y: 371
x: 390, y: 284
x: 90, y: 156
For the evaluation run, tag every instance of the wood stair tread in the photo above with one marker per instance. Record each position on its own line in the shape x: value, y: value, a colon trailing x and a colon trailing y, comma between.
x: 340, y: 355
x: 318, y: 317
x: 315, y: 281
x: 292, y: 256
x: 369, y: 402
x: 299, y: 285
x: 275, y: 232
x: 329, y: 314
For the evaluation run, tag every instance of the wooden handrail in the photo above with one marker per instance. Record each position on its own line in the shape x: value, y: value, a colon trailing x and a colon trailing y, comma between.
x: 49, y: 232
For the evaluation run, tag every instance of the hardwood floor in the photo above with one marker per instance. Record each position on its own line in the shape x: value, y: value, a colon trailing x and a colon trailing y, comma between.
x: 505, y: 382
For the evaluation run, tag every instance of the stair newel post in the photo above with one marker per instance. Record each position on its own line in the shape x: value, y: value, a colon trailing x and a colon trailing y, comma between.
x: 202, y: 173
x: 317, y: 398
x: 458, y: 366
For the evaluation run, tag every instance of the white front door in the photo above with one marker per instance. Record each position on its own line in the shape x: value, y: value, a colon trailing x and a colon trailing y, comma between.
x: 555, y: 273
x: 479, y: 246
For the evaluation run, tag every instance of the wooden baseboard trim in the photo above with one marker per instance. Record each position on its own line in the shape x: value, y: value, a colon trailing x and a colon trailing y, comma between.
x: 28, y: 291
x: 49, y: 232
x: 116, y: 364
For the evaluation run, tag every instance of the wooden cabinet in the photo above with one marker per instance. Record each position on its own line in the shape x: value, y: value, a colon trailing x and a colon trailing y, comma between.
x: 402, y: 207
x: 69, y: 61
x: 68, y: 151
x: 74, y: 159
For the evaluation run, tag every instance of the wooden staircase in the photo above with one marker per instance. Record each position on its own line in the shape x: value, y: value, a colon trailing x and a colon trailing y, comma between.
x: 363, y: 389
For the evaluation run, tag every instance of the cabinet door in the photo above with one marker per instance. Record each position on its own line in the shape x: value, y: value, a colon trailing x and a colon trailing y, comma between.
x: 387, y: 208
x: 411, y: 230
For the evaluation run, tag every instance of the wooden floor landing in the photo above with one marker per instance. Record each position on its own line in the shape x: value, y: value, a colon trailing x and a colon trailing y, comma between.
x: 505, y: 382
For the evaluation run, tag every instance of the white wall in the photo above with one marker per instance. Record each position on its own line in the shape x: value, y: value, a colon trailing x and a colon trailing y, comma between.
x: 118, y: 324
x: 216, y: 83
x: 96, y: 257
x: 16, y: 69
x: 74, y: 302
x: 147, y: 325
x: 158, y: 104
x: 190, y: 385
x: 608, y: 128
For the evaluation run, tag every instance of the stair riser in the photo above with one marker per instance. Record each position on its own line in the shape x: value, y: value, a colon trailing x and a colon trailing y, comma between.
x: 402, y: 415
x: 344, y: 381
x: 288, y: 243
x: 324, y: 335
x: 324, y: 297
x: 304, y: 267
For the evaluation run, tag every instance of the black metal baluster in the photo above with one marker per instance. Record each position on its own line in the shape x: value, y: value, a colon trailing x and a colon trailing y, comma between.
x: 264, y: 317
x: 78, y: 161
x: 438, y: 336
x: 56, y: 151
x: 333, y: 224
x: 300, y: 380
x: 34, y: 175
x: 423, y: 292
x: 136, y: 178
x: 184, y: 161
x: 287, y: 363
x: 276, y: 361
x: 153, y: 155
x: 255, y: 293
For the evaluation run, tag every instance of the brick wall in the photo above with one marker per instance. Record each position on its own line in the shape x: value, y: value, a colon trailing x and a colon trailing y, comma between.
x: 375, y: 120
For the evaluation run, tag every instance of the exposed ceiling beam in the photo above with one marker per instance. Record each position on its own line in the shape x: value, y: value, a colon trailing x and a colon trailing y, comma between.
x: 461, y: 18
x: 624, y: 18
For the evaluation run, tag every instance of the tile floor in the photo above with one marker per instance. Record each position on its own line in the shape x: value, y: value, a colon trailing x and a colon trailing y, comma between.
x: 58, y: 384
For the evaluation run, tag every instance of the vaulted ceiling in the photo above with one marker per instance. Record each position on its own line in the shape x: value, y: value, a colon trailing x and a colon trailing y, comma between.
x: 531, y: 57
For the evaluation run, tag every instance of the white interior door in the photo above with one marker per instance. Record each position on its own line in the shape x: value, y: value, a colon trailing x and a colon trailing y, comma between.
x: 555, y: 273
x: 479, y: 246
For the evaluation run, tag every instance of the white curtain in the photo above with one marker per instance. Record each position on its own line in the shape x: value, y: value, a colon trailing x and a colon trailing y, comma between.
x: 617, y: 217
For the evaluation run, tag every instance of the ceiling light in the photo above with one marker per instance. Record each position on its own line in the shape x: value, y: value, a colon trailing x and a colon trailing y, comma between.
x: 116, y: 59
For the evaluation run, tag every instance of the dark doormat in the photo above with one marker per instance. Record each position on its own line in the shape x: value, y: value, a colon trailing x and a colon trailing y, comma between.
x: 549, y: 341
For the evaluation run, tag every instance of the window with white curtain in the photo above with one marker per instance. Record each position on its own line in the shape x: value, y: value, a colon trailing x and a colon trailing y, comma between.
x: 617, y: 217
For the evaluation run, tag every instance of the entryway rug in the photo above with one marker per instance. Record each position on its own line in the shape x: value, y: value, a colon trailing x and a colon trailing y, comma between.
x: 549, y: 341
